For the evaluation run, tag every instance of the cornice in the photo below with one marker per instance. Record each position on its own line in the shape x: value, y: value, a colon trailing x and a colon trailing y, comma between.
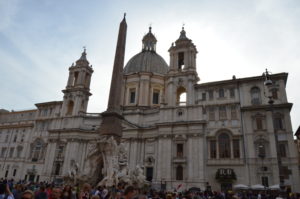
x: 267, y: 107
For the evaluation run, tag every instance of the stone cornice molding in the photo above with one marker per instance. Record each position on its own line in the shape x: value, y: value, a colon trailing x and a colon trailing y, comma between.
x: 20, y: 125
x: 71, y: 130
x: 267, y: 107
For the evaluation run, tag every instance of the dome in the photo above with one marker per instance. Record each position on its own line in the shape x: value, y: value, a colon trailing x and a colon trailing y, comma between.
x: 147, y: 60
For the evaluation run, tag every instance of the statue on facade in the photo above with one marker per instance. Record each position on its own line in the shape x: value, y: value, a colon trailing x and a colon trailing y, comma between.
x: 73, y: 173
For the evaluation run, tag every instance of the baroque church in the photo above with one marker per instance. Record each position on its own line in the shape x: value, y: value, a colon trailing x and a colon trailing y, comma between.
x: 184, y: 133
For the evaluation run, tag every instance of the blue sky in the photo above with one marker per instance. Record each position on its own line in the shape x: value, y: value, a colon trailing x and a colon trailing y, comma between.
x: 39, y: 40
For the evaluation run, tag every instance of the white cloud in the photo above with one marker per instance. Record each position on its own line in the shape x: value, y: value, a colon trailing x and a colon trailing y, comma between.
x: 233, y: 38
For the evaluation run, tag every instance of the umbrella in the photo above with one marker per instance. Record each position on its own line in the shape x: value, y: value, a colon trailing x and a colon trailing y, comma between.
x: 258, y: 187
x: 274, y: 187
x: 194, y: 189
x: 240, y: 186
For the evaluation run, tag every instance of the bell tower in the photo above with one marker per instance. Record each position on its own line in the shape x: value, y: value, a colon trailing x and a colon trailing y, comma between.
x: 183, y: 54
x: 182, y: 75
x: 77, y: 92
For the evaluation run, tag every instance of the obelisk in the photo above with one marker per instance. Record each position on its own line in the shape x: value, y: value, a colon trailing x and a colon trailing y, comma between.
x: 112, y: 119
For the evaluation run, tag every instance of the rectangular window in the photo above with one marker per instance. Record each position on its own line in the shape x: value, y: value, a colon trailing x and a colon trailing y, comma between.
x: 179, y: 172
x: 221, y: 93
x: 222, y: 112
x: 132, y: 96
x: 14, y: 172
x: 274, y: 94
x: 203, y: 96
x: 60, y: 151
x: 213, y: 149
x: 278, y: 123
x: 6, y: 138
x: 265, y: 181
x: 155, y: 99
x: 11, y: 152
x: 19, y: 151
x: 259, y: 123
x: 232, y: 94
x: 149, y: 174
x: 211, y: 94
x: 45, y: 112
x: 282, y: 150
x: 233, y: 112
x: 15, y: 138
x: 236, y: 148
x: 211, y: 114
x: 3, y: 152
x: 179, y: 150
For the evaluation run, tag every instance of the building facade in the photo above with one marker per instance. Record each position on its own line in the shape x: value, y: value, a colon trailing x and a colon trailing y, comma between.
x: 184, y: 133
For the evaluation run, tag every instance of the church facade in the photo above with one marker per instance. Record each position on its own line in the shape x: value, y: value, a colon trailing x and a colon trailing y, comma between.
x: 184, y: 133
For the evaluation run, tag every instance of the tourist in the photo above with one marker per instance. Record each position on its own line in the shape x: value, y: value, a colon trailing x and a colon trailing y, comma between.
x: 95, y: 197
x: 67, y: 193
x: 85, y: 193
x: 5, y: 192
x: 104, y: 193
x: 28, y: 194
x: 129, y: 192
x: 17, y: 191
x: 56, y: 193
x: 41, y: 194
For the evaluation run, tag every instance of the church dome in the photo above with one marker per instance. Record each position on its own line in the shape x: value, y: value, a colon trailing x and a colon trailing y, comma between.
x: 147, y: 60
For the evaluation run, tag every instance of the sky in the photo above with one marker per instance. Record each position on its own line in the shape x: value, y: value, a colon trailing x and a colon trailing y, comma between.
x: 39, y: 40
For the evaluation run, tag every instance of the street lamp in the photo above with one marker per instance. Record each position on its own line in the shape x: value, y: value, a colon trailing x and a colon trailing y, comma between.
x: 268, y: 82
x: 262, y: 155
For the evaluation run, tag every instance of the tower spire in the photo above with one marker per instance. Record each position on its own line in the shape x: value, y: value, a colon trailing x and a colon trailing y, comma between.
x: 111, y: 118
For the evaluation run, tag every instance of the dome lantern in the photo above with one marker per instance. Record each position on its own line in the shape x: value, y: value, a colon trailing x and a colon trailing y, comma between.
x: 149, y: 41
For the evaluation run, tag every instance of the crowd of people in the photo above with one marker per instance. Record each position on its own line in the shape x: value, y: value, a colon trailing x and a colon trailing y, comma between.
x: 21, y: 190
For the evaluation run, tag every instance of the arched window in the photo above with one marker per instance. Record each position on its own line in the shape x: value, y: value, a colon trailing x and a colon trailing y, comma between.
x: 255, y: 96
x: 70, y: 108
x: 180, y: 60
x: 179, y: 172
x: 155, y: 97
x: 181, y: 96
x: 86, y: 80
x: 224, y: 145
x: 75, y: 79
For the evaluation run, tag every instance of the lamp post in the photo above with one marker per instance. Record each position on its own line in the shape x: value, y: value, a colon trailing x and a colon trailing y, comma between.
x: 262, y: 154
x: 268, y: 82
